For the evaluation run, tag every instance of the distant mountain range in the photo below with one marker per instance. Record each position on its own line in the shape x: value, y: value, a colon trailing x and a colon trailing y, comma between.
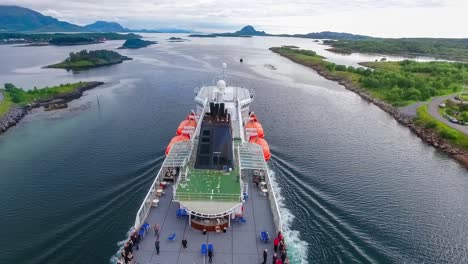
x: 249, y: 31
x: 20, y: 19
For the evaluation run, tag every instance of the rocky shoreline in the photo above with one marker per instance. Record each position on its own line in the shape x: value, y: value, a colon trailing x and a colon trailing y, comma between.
x: 16, y: 113
x: 427, y: 135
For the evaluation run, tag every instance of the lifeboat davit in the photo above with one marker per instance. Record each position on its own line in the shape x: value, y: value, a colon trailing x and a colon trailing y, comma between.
x: 187, y: 123
x: 263, y: 143
x: 253, y: 124
x: 176, y: 139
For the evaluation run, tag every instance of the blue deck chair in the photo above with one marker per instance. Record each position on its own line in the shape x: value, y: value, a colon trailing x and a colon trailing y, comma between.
x: 171, y: 237
x: 264, y: 236
x: 203, y: 249
x: 210, y: 247
x: 181, y: 213
x: 242, y: 220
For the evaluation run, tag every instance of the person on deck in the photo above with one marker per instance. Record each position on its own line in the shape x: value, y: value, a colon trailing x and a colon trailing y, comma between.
x: 156, y: 244
x: 275, y: 258
x: 281, y: 246
x: 156, y: 230
x: 184, y: 243
x: 283, y: 256
x: 210, y: 255
x: 275, y: 244
x: 265, y: 256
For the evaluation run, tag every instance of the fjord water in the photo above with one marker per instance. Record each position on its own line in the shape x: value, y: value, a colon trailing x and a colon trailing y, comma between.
x: 356, y: 186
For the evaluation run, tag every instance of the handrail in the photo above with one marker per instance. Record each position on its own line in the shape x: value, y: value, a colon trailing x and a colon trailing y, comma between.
x: 274, y: 205
x: 210, y: 196
x: 146, y: 205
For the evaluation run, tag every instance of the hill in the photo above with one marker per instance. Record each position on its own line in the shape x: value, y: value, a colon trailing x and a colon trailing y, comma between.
x: 15, y: 18
x: 331, y: 35
x: 104, y: 26
x: 246, y: 31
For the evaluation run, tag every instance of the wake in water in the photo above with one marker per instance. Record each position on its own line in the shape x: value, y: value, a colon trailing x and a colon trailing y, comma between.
x: 297, y: 248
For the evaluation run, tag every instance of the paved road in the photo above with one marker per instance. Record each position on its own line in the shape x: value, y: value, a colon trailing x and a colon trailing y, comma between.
x: 433, y: 110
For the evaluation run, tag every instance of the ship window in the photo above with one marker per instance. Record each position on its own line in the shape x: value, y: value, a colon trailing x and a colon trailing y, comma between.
x: 206, y: 132
x: 205, y: 139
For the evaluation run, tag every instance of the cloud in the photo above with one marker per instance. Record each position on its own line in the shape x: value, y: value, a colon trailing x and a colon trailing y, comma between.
x: 376, y: 17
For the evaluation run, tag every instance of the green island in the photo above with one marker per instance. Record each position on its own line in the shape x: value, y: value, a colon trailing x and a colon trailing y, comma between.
x: 396, y: 84
x: 449, y: 49
x: 136, y: 43
x: 61, y: 39
x: 89, y: 59
x: 18, y: 96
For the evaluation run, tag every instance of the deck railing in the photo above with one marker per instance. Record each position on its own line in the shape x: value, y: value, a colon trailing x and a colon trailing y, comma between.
x: 274, y: 205
x: 221, y: 197
x: 146, y: 205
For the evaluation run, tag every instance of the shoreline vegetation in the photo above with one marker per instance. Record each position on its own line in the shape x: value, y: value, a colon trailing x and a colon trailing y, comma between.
x: 18, y: 102
x: 136, y: 43
x: 61, y: 39
x: 440, y: 48
x: 89, y: 59
x: 390, y: 85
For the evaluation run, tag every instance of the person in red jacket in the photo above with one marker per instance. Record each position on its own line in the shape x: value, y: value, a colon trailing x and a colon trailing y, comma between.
x: 275, y: 244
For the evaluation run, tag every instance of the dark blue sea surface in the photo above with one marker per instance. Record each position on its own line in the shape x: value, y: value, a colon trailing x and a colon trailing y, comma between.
x: 356, y: 186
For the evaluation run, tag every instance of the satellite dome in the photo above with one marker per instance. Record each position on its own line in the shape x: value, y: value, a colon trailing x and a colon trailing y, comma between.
x: 221, y: 84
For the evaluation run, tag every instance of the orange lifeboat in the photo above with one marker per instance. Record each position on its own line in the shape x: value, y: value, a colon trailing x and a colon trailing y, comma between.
x: 253, y: 124
x: 176, y: 139
x: 189, y: 122
x: 263, y: 143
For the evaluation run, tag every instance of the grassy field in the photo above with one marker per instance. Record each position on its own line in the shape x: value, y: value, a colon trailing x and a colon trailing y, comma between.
x: 6, y: 104
x: 454, y: 136
x: 18, y: 96
x: 398, y: 83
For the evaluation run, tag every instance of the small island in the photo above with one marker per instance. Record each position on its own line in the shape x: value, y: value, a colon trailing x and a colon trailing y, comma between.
x: 16, y: 102
x: 136, y: 43
x: 176, y: 39
x: 89, y: 59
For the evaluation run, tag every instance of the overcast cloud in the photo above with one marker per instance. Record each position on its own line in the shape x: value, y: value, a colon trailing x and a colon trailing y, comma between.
x: 386, y: 18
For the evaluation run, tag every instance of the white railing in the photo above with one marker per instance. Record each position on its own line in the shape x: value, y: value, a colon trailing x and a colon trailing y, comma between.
x: 146, y: 205
x: 207, y: 196
x: 274, y: 205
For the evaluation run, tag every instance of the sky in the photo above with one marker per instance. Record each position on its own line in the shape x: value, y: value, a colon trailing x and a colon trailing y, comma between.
x: 380, y: 18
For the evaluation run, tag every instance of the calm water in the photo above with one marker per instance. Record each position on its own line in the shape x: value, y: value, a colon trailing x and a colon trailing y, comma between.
x: 356, y: 187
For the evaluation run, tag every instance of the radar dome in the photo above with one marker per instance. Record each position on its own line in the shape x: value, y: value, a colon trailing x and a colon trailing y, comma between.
x: 221, y: 84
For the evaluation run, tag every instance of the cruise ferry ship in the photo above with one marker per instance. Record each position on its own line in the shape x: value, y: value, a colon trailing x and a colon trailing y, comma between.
x: 213, y: 189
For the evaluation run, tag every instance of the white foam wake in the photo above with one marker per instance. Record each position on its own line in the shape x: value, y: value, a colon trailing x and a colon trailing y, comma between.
x: 297, y: 248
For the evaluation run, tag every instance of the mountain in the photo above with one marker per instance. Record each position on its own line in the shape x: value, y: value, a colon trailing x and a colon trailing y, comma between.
x: 15, y: 18
x: 250, y: 31
x: 104, y: 26
x: 247, y: 31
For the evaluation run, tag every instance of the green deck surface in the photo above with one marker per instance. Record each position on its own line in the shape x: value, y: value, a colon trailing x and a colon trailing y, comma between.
x: 210, y: 185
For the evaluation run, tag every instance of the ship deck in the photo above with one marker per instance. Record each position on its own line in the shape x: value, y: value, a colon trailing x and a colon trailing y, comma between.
x: 240, y: 244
